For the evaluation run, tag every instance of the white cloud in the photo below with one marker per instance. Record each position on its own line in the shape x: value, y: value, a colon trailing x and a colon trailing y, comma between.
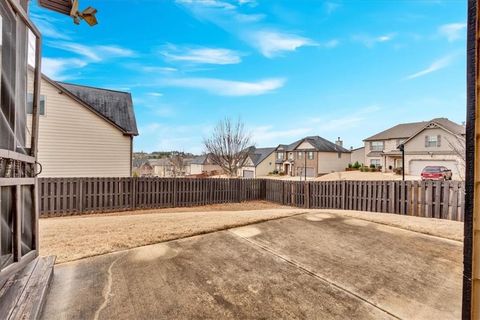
x: 93, y: 53
x: 156, y: 94
x: 157, y: 69
x: 330, y: 44
x: 208, y: 3
x: 370, y: 41
x: 453, y: 31
x: 434, y: 66
x: 57, y: 68
x: 331, y: 7
x: 273, y: 43
x: 201, y: 55
x: 228, y: 87
x: 47, y: 27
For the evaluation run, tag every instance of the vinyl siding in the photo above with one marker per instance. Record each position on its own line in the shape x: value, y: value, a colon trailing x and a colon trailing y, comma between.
x: 329, y: 162
x: 75, y: 142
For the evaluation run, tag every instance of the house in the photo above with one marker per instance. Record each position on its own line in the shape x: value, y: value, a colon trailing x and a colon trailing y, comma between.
x: 84, y: 131
x: 312, y: 156
x: 357, y: 155
x: 142, y: 168
x: 203, y: 165
x: 438, y: 142
x: 260, y: 162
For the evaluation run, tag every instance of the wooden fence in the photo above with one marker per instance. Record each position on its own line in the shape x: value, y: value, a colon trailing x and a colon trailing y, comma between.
x: 67, y: 196
x: 435, y: 199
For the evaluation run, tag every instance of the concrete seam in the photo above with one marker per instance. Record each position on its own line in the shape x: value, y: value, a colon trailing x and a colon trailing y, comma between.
x: 313, y: 274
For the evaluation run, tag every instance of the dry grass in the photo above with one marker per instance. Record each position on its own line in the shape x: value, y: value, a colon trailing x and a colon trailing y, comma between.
x: 442, y: 228
x: 72, y: 238
x: 358, y: 175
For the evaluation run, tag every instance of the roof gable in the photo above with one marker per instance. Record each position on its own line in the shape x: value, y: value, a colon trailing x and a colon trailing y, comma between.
x: 319, y: 144
x: 116, y: 106
x: 443, y: 124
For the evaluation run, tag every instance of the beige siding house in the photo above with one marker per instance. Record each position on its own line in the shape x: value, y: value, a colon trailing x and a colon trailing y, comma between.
x: 260, y: 162
x: 358, y: 155
x: 203, y: 165
x: 313, y: 156
x: 438, y: 142
x: 84, y: 131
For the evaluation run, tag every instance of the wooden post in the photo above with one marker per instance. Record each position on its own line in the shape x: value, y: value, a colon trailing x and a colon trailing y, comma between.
x: 306, y: 193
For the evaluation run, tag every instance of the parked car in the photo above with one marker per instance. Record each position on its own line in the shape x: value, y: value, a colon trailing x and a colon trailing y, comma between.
x: 436, y: 173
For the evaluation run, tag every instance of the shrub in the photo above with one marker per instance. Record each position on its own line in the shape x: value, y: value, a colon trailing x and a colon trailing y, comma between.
x: 357, y: 165
x: 350, y: 165
x: 397, y: 170
x: 281, y: 173
x: 372, y: 166
x: 275, y: 171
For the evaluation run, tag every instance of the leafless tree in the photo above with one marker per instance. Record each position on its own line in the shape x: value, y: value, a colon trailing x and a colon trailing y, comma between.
x: 228, y: 145
x: 177, y: 162
x: 459, y: 148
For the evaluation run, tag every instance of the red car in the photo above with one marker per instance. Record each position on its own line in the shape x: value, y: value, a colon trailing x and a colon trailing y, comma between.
x: 436, y: 173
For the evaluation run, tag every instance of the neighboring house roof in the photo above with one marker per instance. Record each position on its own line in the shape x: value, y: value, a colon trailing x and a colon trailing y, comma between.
x: 257, y: 155
x: 137, y: 163
x: 320, y: 144
x: 356, y: 149
x: 407, y: 130
x: 116, y: 106
x: 159, y: 162
x: 199, y: 160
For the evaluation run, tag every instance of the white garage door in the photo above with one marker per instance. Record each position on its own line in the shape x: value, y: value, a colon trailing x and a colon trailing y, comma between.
x: 248, y: 174
x: 416, y: 166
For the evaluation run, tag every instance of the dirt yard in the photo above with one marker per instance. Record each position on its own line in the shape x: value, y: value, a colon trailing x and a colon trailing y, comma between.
x: 76, y: 237
x: 358, y: 175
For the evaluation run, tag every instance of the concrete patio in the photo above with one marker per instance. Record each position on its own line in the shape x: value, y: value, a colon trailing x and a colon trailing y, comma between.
x: 313, y: 265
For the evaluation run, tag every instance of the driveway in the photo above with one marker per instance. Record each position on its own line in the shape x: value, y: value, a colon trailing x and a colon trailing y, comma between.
x: 313, y: 265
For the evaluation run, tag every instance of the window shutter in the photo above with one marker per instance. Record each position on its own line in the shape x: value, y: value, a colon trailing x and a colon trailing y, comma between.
x: 439, y: 140
x: 426, y: 141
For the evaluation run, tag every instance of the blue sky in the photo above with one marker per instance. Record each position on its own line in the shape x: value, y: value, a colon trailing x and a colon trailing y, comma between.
x: 288, y: 69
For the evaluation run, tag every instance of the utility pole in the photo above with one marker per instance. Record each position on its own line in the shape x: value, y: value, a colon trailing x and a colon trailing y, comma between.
x: 401, y: 147
x: 305, y: 165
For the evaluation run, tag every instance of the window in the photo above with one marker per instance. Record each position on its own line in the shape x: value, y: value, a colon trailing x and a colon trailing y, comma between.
x: 30, y: 104
x: 432, y: 141
x: 339, y: 155
x: 375, y: 162
x: 279, y: 155
x: 376, y: 145
x: 299, y: 154
x: 310, y: 155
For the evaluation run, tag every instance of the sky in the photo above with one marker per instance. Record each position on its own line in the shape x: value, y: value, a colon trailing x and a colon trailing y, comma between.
x: 287, y: 69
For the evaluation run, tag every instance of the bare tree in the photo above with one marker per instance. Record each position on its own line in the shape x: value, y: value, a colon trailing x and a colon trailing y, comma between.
x: 228, y: 146
x: 459, y: 148
x: 177, y: 162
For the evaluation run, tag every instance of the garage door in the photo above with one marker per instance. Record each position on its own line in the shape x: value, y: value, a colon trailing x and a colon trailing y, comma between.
x: 310, y: 172
x: 248, y: 174
x: 416, y: 166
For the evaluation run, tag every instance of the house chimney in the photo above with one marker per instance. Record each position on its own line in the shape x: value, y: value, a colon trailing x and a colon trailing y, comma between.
x: 339, y: 142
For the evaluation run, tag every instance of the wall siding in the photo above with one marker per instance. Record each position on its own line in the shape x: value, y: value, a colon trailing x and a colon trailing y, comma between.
x: 74, y: 141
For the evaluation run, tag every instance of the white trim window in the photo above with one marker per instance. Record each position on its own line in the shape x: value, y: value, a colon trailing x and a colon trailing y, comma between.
x: 279, y: 155
x: 376, y: 145
x: 375, y: 162
x: 299, y: 155
x: 310, y: 155
x: 30, y: 104
x: 432, y: 141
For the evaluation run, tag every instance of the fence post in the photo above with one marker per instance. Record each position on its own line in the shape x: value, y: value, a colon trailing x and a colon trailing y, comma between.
x: 80, y: 195
x: 306, y: 192
x: 175, y: 190
x: 239, y: 189
x: 391, y: 196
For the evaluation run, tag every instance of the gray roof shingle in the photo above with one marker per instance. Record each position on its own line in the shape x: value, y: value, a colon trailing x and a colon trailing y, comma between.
x: 115, y: 106
x: 320, y: 144
x: 406, y: 130
x: 257, y: 155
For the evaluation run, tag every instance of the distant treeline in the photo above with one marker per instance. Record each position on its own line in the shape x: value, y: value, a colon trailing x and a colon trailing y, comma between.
x: 161, y: 154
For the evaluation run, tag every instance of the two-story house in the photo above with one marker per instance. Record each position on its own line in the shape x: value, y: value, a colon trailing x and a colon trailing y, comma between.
x: 438, y: 142
x: 312, y: 156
